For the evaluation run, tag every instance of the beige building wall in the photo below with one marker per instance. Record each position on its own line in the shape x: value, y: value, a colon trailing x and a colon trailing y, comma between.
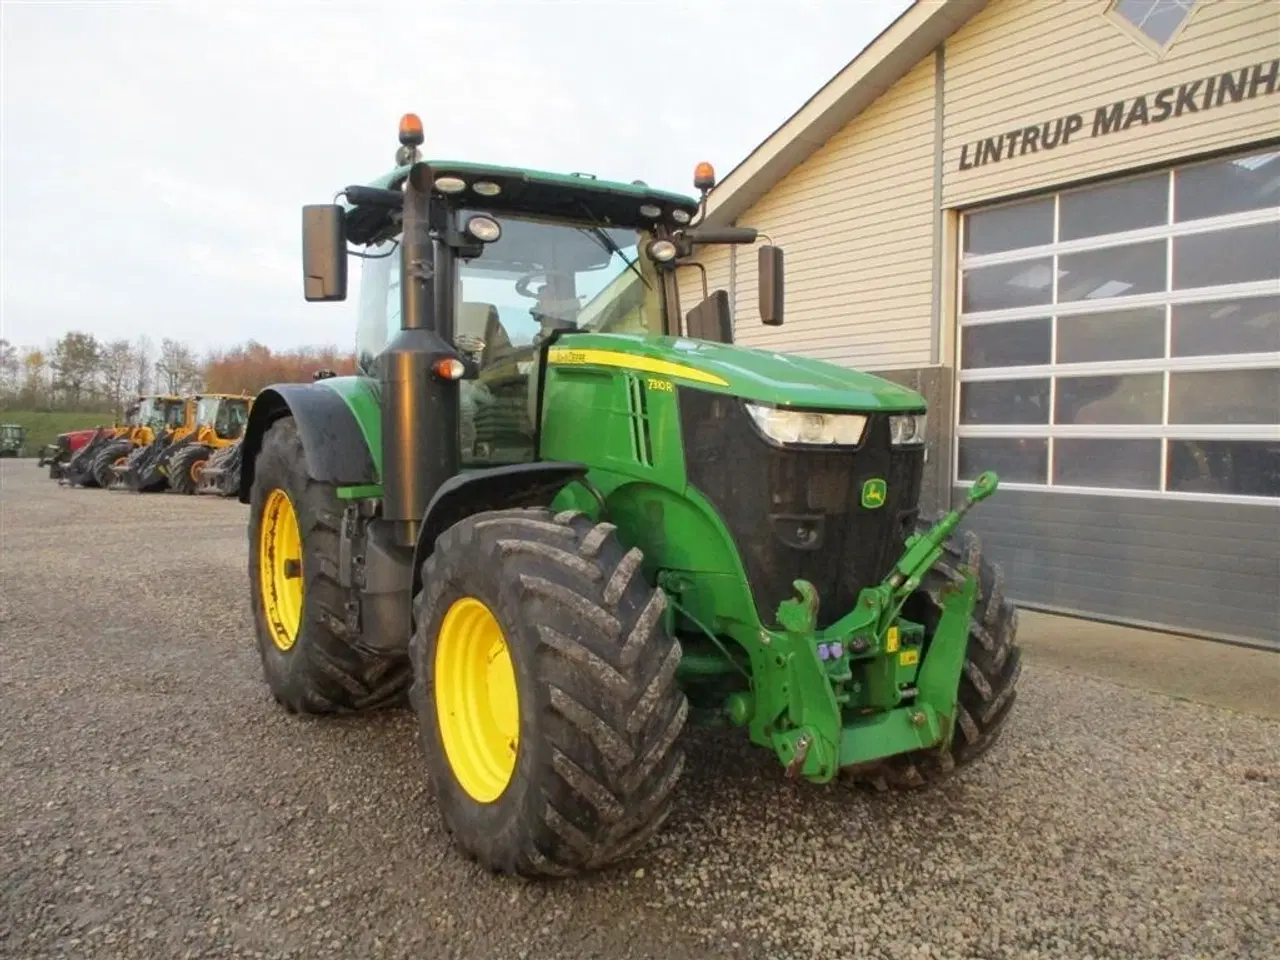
x: 856, y: 223
x: 715, y: 260
x: 1020, y: 64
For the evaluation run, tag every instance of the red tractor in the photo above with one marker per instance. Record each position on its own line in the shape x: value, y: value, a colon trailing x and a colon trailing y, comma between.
x: 64, y: 447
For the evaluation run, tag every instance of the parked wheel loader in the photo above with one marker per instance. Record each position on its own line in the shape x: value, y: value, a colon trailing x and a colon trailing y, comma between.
x: 143, y: 468
x: 566, y: 517
x: 220, y: 476
x: 220, y: 422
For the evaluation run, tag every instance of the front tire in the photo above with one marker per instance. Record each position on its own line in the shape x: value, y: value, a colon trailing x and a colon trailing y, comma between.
x: 988, y: 682
x: 115, y: 453
x: 552, y: 613
x: 309, y: 659
x: 186, y: 466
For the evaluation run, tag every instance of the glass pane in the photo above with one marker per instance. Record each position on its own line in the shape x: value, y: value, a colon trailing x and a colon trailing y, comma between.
x: 1242, y: 255
x: 1114, y: 207
x: 1116, y: 272
x: 1015, y: 460
x: 379, y: 307
x: 1023, y: 343
x: 1122, y: 398
x: 1248, y: 468
x: 1005, y: 401
x: 1227, y: 186
x: 1163, y: 21
x: 1116, y: 335
x: 1123, y: 464
x: 1024, y: 284
x: 1227, y: 326
x: 1009, y: 228
x: 1225, y: 396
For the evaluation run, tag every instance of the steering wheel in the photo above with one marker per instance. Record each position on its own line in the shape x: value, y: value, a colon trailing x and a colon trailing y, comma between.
x: 522, y: 285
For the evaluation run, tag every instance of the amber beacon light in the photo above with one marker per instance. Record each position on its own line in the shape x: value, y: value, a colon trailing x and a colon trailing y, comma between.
x: 411, y: 130
x: 704, y: 176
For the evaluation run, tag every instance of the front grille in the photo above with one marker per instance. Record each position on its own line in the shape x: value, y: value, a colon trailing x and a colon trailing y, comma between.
x: 796, y: 514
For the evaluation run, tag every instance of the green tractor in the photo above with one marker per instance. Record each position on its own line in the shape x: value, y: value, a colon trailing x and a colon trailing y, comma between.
x: 566, y: 524
x: 13, y: 440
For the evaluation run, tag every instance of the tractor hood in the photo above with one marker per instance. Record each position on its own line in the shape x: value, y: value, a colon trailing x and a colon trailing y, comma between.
x: 747, y: 372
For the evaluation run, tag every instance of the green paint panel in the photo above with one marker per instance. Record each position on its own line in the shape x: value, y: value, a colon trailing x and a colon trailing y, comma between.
x: 751, y: 373
x: 364, y: 396
x: 367, y: 491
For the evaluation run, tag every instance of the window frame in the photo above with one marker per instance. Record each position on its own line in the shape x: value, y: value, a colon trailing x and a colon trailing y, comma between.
x: 1167, y: 365
x: 1137, y: 34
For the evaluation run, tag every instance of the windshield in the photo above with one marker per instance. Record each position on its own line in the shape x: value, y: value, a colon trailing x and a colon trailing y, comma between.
x: 175, y: 414
x: 148, y: 414
x: 207, y: 411
x: 232, y: 417
x: 541, y: 276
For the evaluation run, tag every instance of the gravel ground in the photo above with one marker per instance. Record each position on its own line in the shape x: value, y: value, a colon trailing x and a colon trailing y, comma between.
x: 157, y: 804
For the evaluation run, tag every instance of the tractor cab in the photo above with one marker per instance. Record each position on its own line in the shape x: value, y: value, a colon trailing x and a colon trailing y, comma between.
x: 221, y: 418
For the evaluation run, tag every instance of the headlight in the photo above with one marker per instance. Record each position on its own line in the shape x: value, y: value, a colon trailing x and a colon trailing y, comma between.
x: 664, y: 251
x: 805, y: 426
x: 906, y: 429
x: 484, y: 229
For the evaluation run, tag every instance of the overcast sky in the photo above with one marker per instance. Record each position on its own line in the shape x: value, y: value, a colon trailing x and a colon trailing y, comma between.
x: 155, y: 155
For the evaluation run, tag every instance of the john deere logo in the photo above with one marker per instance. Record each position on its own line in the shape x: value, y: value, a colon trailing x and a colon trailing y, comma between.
x: 873, y: 494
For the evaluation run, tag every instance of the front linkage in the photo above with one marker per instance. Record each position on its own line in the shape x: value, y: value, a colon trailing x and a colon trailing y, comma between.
x: 221, y: 474
x: 146, y: 469
x: 817, y: 716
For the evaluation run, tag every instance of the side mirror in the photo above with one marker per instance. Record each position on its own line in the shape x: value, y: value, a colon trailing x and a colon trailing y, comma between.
x: 771, y: 294
x: 324, y: 252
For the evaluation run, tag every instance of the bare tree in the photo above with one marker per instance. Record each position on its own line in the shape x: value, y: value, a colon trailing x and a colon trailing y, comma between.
x: 177, y: 370
x: 142, y: 364
x: 10, y: 370
x: 117, y: 366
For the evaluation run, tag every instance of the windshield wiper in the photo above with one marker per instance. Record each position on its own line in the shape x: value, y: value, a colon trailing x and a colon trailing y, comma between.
x: 606, y: 241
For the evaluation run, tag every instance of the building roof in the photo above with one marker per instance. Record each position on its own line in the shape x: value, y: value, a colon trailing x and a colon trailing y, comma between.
x: 912, y: 36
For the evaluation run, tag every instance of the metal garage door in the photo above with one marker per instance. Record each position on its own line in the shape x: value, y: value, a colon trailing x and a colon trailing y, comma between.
x: 1119, y: 366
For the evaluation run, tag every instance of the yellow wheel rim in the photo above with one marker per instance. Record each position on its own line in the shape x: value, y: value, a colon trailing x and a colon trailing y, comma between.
x: 280, y: 569
x: 197, y: 468
x: 477, y: 705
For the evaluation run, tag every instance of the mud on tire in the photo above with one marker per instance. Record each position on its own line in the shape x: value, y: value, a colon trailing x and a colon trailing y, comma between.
x: 599, y: 709
x: 988, y: 683
x: 323, y: 671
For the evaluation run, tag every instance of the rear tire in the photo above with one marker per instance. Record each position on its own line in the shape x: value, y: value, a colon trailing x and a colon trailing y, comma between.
x: 595, y: 759
x: 185, y: 467
x: 988, y: 683
x: 315, y: 668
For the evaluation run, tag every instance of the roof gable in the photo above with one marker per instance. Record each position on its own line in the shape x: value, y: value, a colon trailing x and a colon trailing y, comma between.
x: 882, y: 63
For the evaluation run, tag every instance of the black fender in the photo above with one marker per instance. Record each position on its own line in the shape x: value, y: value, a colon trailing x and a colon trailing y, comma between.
x: 331, y: 437
x: 494, y: 488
